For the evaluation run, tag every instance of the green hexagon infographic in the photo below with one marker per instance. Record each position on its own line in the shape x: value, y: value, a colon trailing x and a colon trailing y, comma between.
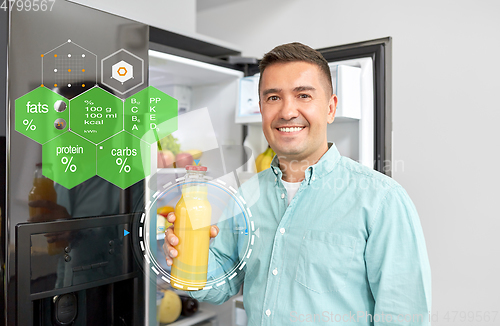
x: 69, y: 159
x: 41, y: 114
x: 123, y: 160
x: 96, y: 115
x: 150, y: 114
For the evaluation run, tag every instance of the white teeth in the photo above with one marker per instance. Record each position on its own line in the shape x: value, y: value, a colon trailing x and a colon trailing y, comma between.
x: 293, y: 129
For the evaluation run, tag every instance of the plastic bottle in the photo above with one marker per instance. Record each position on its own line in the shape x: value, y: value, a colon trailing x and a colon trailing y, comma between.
x: 192, y: 226
x: 43, y: 189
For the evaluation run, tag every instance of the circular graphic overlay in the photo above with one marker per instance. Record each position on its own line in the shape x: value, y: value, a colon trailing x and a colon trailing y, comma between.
x: 229, y: 251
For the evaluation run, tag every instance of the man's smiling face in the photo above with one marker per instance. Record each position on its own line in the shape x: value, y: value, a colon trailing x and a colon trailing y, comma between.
x: 296, y: 108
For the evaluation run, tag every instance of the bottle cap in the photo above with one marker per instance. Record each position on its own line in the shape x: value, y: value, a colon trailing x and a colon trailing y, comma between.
x: 196, y: 168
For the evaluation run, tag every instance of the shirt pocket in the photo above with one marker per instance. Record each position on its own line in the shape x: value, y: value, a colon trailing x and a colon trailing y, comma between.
x: 324, y: 260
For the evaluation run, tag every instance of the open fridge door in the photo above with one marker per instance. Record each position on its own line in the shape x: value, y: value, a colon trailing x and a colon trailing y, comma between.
x: 206, y: 90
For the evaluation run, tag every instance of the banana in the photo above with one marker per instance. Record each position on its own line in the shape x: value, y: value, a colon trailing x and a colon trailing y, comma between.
x: 268, y: 158
x: 258, y: 160
x: 263, y: 161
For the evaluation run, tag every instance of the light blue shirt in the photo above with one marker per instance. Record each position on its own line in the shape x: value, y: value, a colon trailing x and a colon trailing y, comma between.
x: 348, y: 249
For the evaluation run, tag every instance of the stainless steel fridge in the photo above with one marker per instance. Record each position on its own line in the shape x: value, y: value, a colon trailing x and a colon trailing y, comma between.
x: 65, y: 265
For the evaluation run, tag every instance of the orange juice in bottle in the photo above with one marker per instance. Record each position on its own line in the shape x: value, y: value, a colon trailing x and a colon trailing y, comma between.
x: 192, y: 226
x: 43, y: 189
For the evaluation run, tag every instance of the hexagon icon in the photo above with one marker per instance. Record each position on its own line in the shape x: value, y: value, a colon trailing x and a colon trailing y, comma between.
x: 69, y: 159
x: 96, y: 115
x: 150, y: 114
x: 123, y: 160
x: 122, y: 71
x: 69, y: 68
x: 41, y: 115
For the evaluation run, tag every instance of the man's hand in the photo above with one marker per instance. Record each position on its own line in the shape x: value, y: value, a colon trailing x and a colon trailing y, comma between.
x: 171, y: 240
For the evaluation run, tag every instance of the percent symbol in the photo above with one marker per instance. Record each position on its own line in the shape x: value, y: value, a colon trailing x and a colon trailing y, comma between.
x: 88, y: 102
x: 68, y: 164
x: 122, y: 165
x: 29, y: 124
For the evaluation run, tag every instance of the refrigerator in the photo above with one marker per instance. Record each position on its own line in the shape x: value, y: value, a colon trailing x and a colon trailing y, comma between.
x: 91, y: 262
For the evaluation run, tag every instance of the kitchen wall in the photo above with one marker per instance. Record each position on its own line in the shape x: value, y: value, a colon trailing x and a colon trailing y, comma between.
x: 173, y: 15
x: 446, y: 115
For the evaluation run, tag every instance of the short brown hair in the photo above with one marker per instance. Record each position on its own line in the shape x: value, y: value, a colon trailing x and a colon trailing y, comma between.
x: 295, y: 52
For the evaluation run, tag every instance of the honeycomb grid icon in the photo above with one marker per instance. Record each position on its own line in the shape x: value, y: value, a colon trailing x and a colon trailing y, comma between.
x: 98, y: 142
x: 89, y: 134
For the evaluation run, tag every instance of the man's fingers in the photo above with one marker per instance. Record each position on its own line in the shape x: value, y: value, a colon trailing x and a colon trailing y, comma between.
x: 214, y: 230
x: 171, y: 240
x: 170, y: 252
x: 170, y: 236
x: 166, y: 249
x: 171, y: 217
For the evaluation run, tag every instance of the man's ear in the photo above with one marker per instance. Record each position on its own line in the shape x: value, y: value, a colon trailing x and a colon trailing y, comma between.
x: 332, y: 108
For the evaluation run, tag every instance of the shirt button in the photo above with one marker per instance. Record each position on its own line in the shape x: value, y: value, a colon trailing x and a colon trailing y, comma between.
x: 275, y: 271
x: 282, y: 230
x: 313, y: 178
x: 282, y: 196
x: 268, y: 312
x: 275, y: 179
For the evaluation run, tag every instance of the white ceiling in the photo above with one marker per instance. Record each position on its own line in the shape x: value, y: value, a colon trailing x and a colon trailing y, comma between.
x: 202, y: 5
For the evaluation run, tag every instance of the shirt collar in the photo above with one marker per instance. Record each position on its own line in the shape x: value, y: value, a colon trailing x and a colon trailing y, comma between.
x: 316, y: 171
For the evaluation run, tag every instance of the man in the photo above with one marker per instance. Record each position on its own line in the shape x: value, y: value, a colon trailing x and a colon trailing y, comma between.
x: 339, y: 242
